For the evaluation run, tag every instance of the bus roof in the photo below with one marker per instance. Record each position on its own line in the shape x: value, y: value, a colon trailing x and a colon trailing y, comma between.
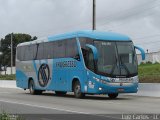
x: 98, y: 35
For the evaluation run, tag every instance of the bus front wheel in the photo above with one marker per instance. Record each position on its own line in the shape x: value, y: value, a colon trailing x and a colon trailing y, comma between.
x: 113, y: 95
x: 77, y: 90
x: 32, y: 89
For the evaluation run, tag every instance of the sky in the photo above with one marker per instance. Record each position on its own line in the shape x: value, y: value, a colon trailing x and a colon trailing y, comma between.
x: 139, y: 19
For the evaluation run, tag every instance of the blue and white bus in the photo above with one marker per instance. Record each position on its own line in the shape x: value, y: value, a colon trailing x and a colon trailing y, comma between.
x: 83, y: 62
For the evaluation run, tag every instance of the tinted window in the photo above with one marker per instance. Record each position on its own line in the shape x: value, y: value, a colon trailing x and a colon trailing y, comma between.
x: 19, y: 53
x: 85, y: 41
x: 89, y: 60
x: 34, y: 51
x: 40, y: 51
x: 71, y: 48
x: 107, y: 56
x: 48, y: 50
x: 22, y: 52
x: 28, y: 54
x: 59, y: 49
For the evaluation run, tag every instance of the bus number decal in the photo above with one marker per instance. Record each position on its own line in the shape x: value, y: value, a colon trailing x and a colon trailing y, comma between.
x: 66, y: 64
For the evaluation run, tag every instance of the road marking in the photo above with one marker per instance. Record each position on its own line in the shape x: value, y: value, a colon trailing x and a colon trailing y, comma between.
x: 59, y: 109
x: 39, y: 106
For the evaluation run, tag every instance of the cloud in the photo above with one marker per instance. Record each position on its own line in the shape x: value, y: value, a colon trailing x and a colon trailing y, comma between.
x: 43, y: 16
x: 136, y: 18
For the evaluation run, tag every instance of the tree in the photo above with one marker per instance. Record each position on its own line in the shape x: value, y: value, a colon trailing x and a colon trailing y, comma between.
x: 5, y: 48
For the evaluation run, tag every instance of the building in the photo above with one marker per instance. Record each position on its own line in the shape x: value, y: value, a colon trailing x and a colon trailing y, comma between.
x: 150, y: 57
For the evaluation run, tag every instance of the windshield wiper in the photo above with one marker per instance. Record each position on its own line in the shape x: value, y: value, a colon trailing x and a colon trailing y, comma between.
x: 124, y: 65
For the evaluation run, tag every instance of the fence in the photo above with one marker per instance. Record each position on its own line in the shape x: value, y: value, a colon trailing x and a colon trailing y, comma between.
x: 152, y: 57
x: 8, y: 71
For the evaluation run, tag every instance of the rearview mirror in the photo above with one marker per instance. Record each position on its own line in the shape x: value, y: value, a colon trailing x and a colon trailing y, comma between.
x: 94, y: 50
x: 142, y: 52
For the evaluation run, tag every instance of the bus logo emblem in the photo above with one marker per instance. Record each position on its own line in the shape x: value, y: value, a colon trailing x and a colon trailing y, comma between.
x: 43, y: 75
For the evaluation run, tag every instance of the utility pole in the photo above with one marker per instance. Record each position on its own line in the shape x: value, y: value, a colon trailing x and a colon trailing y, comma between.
x: 11, y: 52
x: 94, y: 15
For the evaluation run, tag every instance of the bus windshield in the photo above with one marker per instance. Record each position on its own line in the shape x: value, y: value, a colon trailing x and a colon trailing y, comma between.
x: 116, y: 59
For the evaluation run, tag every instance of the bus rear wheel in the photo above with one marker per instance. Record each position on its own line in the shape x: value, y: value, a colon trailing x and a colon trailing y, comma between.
x: 113, y: 95
x: 77, y: 90
x: 60, y: 93
x: 32, y: 89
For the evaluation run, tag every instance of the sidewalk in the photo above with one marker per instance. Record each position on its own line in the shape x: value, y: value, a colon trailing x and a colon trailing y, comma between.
x: 148, y: 89
x: 8, y: 83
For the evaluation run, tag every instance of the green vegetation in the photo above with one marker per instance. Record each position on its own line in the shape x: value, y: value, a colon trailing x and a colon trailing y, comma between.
x: 5, y: 48
x: 7, y: 77
x: 149, y: 73
x: 5, y: 116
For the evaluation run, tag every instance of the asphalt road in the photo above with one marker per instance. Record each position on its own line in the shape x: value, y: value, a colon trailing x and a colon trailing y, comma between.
x: 18, y: 101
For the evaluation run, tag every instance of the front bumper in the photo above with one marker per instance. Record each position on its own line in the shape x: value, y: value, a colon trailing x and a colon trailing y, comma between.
x: 113, y: 88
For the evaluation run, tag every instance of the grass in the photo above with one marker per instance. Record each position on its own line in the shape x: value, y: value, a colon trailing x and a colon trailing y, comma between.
x: 6, y: 116
x: 149, y: 73
x: 8, y: 77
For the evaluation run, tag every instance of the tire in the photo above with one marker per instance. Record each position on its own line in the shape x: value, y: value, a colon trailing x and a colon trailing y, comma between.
x: 60, y: 93
x: 113, y: 95
x: 77, y: 90
x: 32, y: 89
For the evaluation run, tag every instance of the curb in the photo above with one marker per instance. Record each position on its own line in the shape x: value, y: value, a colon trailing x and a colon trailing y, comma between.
x: 8, y: 84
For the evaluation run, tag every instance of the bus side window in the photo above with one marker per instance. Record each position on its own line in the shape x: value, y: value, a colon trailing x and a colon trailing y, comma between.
x: 40, y: 50
x: 19, y: 53
x: 48, y: 50
x: 72, y: 49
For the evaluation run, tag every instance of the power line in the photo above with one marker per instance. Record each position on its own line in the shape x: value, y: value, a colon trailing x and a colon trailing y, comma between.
x: 80, y: 24
x: 151, y: 42
x: 119, y: 25
x: 151, y: 36
x: 66, y: 27
x: 128, y: 10
x: 109, y: 21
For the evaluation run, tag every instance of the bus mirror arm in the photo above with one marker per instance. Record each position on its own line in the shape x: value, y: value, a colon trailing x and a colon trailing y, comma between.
x: 94, y: 50
x: 142, y: 52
